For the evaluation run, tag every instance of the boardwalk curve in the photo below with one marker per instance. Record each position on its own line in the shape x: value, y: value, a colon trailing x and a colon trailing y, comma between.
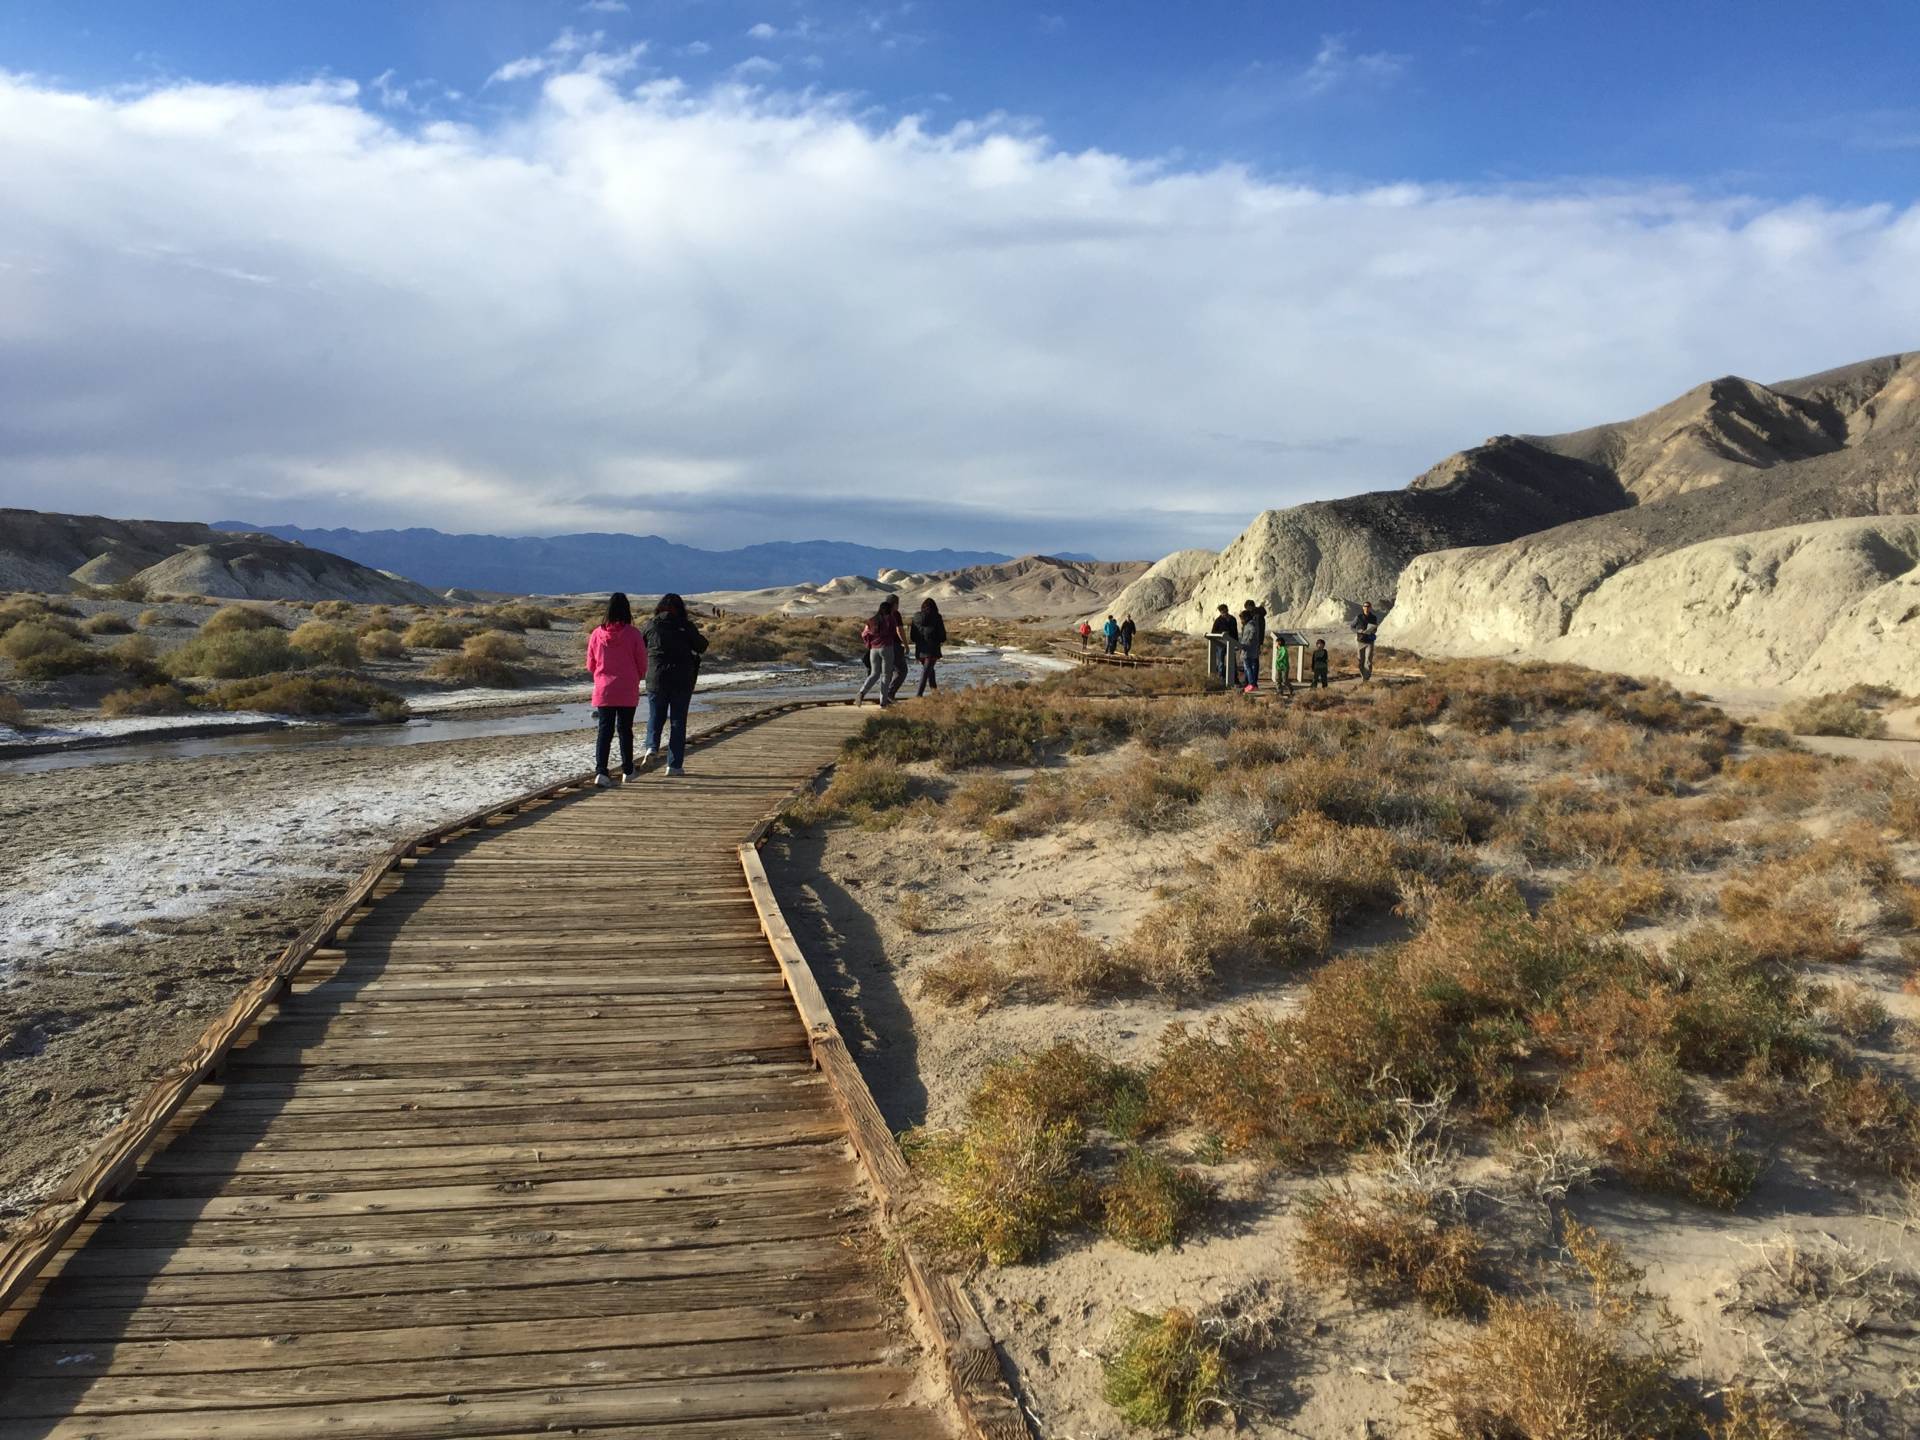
x: 536, y: 1144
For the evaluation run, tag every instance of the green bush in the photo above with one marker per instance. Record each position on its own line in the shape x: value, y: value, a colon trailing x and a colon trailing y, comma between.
x: 474, y: 670
x: 37, y: 637
x: 146, y: 700
x: 235, y: 619
x: 285, y: 694
x: 1163, y: 1372
x: 1150, y: 1202
x: 381, y: 645
x: 431, y: 633
x: 319, y: 643
x: 232, y: 654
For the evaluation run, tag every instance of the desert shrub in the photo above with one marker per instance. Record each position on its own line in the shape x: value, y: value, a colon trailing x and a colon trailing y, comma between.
x: 1646, y: 1127
x: 1403, y: 1243
x: 232, y: 653
x: 1849, y: 1011
x: 30, y: 609
x: 794, y: 639
x: 28, y: 638
x: 1868, y: 1115
x: 13, y: 714
x: 233, y: 619
x: 495, y: 645
x: 107, y: 623
x: 1785, y: 781
x: 1149, y: 1202
x: 146, y: 700
x: 914, y: 912
x: 977, y: 800
x: 863, y: 789
x: 1417, y: 704
x: 463, y: 669
x: 320, y: 643
x: 332, y: 610
x: 1013, y: 1174
x: 1061, y: 961
x: 1046, y: 802
x: 1650, y: 762
x: 987, y: 725
x: 1267, y: 906
x: 1604, y: 900
x: 968, y: 975
x: 156, y: 619
x: 432, y: 633
x: 1563, y: 822
x: 1162, y: 1372
x: 1832, y: 715
x: 295, y: 694
x: 1152, y: 792
x: 139, y: 657
x: 381, y: 645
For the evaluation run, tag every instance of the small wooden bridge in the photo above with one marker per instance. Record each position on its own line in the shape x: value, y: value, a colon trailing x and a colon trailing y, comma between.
x: 528, y: 1136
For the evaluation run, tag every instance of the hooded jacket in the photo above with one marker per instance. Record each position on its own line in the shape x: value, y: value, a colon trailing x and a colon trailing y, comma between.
x: 674, y: 647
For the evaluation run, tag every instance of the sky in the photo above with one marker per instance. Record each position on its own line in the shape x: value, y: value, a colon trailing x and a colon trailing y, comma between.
x: 1106, y: 277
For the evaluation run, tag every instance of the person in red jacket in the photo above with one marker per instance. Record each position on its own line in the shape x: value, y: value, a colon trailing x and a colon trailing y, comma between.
x: 617, y: 660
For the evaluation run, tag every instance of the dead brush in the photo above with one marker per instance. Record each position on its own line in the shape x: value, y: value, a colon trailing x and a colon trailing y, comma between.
x: 1785, y: 781
x: 1154, y: 792
x: 1606, y: 1369
x: 1061, y: 961
x: 1648, y: 762
x: 1398, y: 1243
x: 1046, y: 803
x: 1647, y: 1126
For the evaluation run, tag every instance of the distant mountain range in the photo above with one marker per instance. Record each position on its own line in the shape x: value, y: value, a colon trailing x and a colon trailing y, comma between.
x: 643, y: 564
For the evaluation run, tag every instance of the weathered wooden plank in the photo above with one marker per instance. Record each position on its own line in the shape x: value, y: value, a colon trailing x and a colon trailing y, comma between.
x: 377, y: 1381
x: 352, y: 1348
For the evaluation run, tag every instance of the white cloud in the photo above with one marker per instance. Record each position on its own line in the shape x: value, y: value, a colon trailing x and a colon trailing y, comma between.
x: 756, y: 65
x: 606, y: 7
x: 762, y: 31
x: 696, y: 47
x: 1335, y: 65
x: 525, y: 68
x: 733, y: 316
x: 393, y: 96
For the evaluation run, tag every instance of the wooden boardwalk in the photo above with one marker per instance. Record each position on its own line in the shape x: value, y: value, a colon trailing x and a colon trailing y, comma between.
x: 535, y: 1147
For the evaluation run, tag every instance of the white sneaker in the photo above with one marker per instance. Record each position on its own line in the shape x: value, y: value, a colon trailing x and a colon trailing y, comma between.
x: 646, y: 758
x: 602, y: 781
x: 675, y: 770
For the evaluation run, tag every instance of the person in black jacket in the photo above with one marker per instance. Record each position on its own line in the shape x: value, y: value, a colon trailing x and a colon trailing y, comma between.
x: 1366, y: 630
x: 929, y: 638
x: 1226, y: 631
x: 674, y: 648
x: 1127, y: 632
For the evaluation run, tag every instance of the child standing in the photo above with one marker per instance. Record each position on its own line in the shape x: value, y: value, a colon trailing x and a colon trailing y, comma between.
x: 1319, y: 660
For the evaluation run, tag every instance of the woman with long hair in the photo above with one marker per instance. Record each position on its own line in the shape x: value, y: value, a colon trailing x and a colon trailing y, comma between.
x: 929, y: 638
x: 886, y: 652
x: 676, y: 645
x: 617, y: 660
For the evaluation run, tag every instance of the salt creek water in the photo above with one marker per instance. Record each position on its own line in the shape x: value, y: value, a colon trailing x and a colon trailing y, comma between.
x: 968, y: 665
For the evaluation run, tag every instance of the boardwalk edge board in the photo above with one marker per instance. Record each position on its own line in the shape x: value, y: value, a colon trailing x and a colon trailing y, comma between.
x: 116, y: 1160
x: 981, y: 1394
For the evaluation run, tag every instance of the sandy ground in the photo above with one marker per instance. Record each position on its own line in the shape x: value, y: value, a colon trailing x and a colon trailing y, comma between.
x: 1343, y: 1373
x: 136, y: 898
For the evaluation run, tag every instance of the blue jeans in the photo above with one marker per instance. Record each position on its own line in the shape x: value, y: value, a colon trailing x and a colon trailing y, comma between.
x: 1251, y: 660
x: 662, y: 707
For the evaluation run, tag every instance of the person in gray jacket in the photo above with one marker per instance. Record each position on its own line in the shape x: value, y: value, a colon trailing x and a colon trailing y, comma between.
x: 1253, y: 639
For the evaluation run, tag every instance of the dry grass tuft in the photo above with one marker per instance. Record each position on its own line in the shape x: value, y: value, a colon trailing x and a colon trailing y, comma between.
x: 381, y: 645
x: 976, y: 801
x: 495, y: 645
x: 432, y: 633
x: 107, y: 623
x: 146, y: 700
x: 1602, y: 901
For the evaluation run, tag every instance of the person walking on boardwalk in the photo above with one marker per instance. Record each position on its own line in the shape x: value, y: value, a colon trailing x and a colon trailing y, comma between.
x: 617, y: 660
x: 1319, y: 662
x: 1226, y: 631
x: 1086, y: 633
x: 675, y: 646
x: 929, y: 639
x: 1110, y: 632
x: 885, y: 652
x: 1127, y: 632
x: 1253, y: 637
x: 1366, y: 630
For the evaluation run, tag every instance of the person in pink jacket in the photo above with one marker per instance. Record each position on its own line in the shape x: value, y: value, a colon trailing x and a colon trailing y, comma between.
x: 617, y: 660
